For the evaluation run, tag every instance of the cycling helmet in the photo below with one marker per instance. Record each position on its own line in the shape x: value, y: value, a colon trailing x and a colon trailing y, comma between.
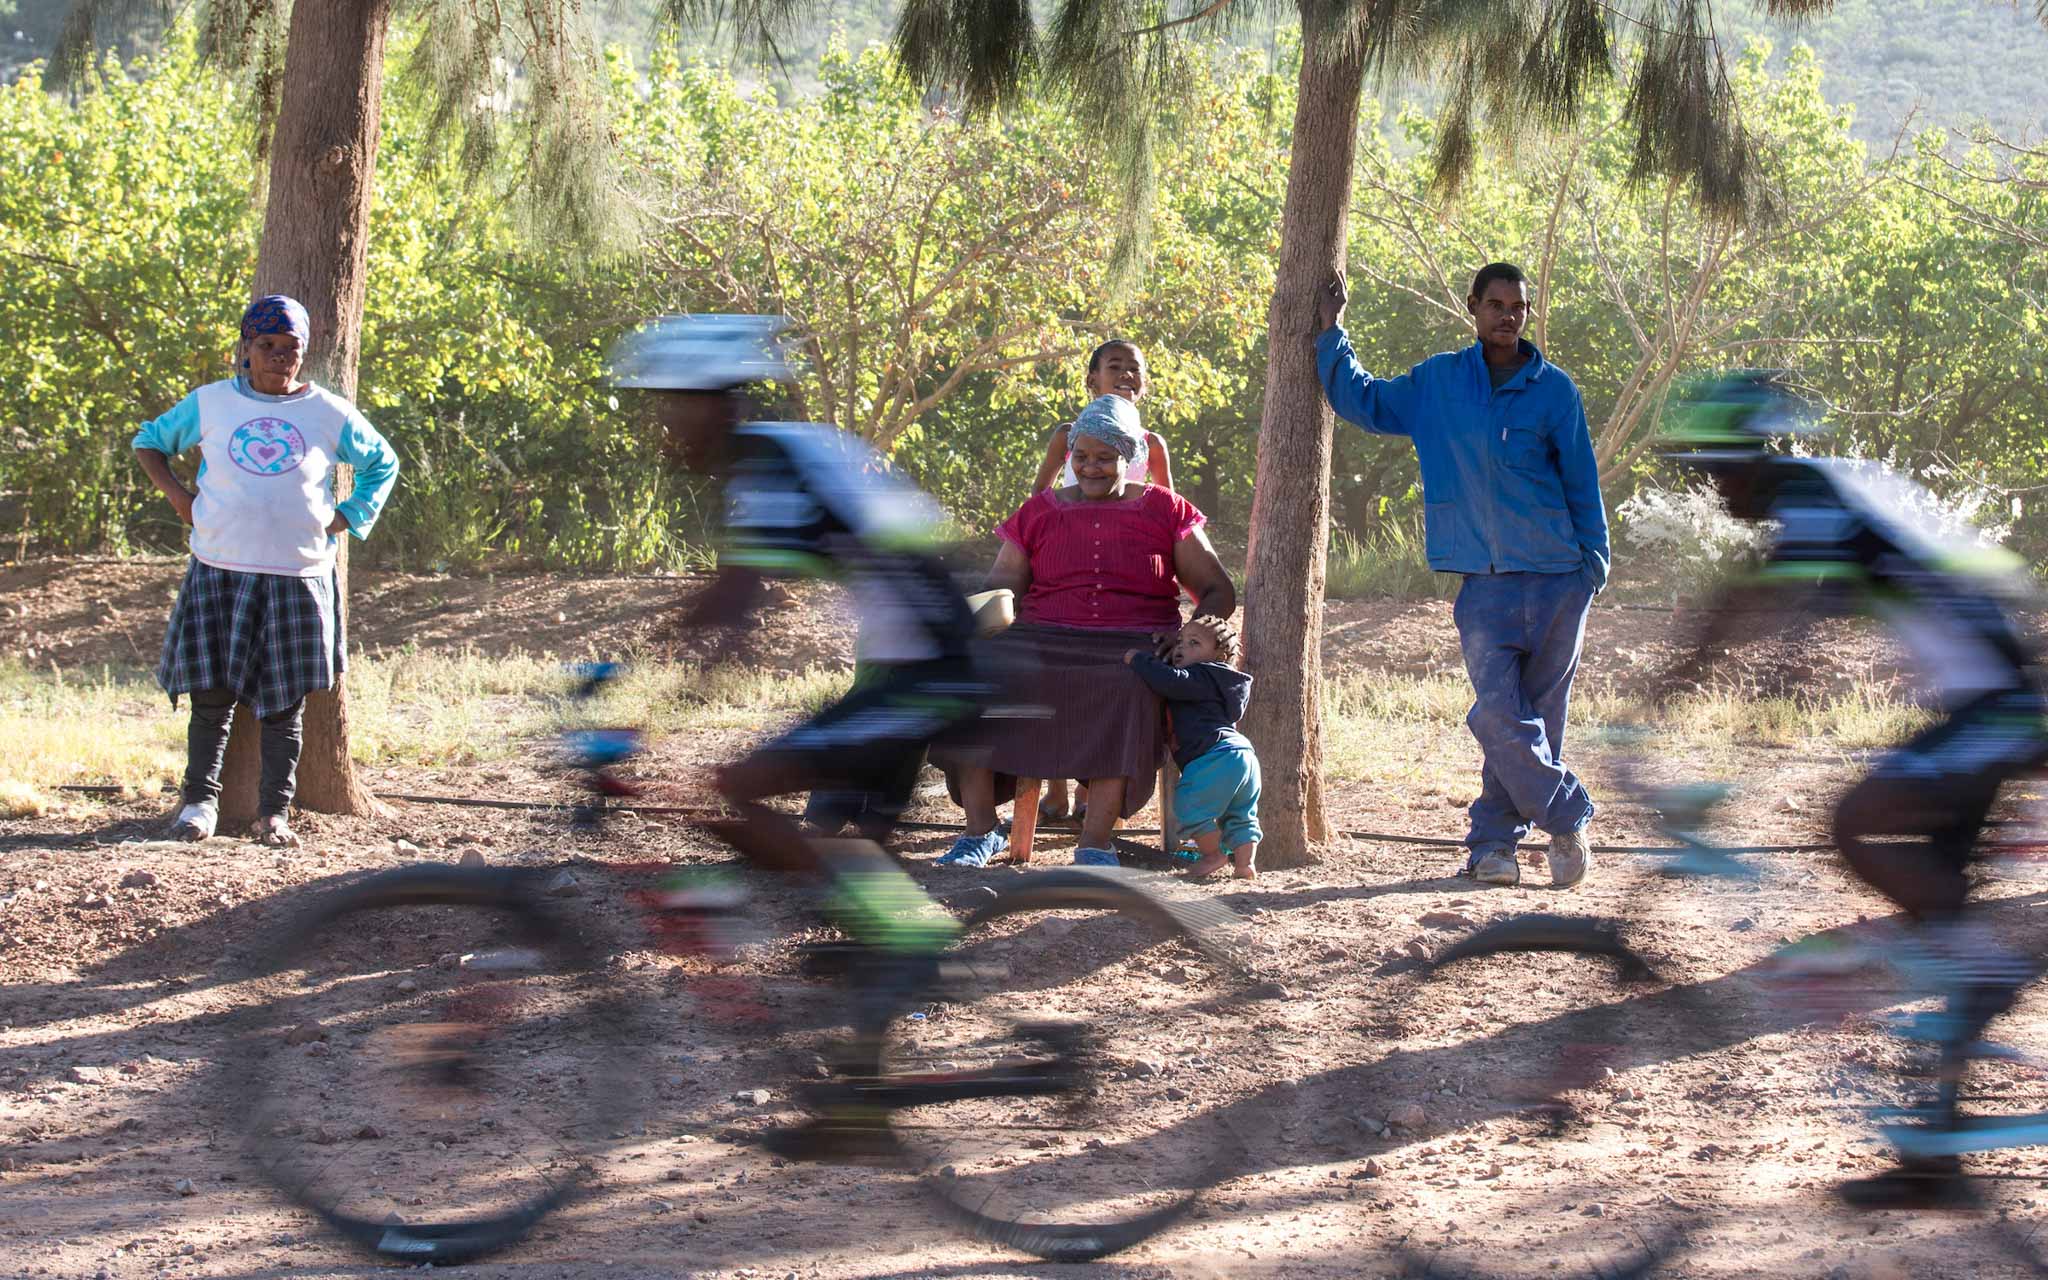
x: 1727, y: 419
x: 700, y: 353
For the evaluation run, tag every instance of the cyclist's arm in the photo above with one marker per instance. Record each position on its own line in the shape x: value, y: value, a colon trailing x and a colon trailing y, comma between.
x: 730, y: 600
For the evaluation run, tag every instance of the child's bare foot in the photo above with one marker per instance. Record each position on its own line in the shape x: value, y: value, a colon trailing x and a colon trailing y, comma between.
x: 1208, y: 865
x: 1245, y: 871
x: 1242, y: 863
x: 273, y: 830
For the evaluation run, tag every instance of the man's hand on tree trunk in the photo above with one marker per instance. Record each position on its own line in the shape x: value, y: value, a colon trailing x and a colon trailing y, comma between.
x: 1330, y: 304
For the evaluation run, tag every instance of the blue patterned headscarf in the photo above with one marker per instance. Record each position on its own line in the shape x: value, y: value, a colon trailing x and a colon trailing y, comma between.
x: 276, y: 314
x: 1114, y: 421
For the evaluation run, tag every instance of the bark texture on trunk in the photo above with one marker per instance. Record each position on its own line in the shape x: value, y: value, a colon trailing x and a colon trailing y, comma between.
x: 1283, y: 617
x: 315, y: 247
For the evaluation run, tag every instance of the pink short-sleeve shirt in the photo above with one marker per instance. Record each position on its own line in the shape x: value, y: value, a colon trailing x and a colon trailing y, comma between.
x: 1103, y: 565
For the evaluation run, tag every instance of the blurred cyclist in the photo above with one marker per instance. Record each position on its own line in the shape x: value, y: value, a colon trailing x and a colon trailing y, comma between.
x: 803, y: 500
x: 1844, y: 538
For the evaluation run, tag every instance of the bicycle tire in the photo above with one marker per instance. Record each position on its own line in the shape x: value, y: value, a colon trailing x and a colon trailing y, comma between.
x: 414, y: 1052
x: 1163, y: 1134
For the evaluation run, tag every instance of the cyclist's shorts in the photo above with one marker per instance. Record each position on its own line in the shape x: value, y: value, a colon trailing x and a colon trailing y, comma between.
x: 1990, y: 739
x: 872, y: 739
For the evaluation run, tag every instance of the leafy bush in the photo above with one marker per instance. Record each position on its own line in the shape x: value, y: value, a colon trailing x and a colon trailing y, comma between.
x: 1388, y: 563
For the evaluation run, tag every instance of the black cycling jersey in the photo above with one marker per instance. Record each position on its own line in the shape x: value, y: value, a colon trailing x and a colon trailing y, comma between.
x: 804, y: 500
x: 1850, y: 526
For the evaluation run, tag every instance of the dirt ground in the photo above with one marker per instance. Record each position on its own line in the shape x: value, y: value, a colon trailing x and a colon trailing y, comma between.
x: 1386, y: 1110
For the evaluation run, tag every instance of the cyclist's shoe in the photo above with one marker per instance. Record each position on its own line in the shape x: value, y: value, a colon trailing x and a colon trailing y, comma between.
x: 1982, y: 976
x: 975, y: 851
x: 1819, y: 956
x: 195, y: 822
x: 704, y: 915
x: 1571, y: 857
x: 1932, y: 1182
x: 848, y: 1135
x: 1495, y: 866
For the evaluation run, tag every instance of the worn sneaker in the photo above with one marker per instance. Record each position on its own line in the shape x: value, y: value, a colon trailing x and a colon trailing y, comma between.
x: 1571, y: 857
x: 1496, y: 866
x: 1096, y: 858
x: 195, y: 822
x: 975, y: 851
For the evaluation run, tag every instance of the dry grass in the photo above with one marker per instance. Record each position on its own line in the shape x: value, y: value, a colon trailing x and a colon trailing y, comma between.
x: 430, y: 710
x: 1393, y: 728
x: 462, y: 707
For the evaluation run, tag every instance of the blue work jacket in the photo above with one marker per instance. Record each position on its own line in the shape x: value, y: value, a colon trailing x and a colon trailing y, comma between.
x: 1509, y: 481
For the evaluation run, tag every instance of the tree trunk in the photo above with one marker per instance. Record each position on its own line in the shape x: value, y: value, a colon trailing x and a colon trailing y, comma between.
x: 1290, y: 525
x: 315, y: 247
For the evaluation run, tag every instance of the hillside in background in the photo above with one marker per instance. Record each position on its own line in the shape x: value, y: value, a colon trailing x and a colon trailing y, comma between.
x: 1954, y: 63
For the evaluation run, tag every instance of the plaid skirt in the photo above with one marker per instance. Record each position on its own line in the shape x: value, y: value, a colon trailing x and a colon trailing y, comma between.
x: 270, y: 638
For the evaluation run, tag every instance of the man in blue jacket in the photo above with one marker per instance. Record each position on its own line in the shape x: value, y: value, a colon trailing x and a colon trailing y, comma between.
x: 1511, y: 500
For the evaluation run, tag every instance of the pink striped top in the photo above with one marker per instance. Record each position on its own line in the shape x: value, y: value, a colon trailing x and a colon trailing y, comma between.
x: 1102, y: 565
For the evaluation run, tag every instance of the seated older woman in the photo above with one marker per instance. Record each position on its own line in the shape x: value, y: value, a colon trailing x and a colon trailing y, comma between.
x: 1097, y: 568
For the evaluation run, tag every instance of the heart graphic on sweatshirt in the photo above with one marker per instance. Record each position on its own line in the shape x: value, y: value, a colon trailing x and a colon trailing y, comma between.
x: 267, y: 447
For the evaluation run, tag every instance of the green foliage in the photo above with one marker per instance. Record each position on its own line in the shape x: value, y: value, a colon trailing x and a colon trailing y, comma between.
x: 947, y: 275
x: 127, y: 235
x: 1387, y: 562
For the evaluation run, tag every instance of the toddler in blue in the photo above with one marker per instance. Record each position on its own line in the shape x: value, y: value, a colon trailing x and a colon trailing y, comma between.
x: 1217, y: 801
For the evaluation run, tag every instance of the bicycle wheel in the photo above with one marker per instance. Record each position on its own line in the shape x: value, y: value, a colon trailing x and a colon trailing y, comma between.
x: 1065, y: 1098
x: 1558, y: 1084
x: 432, y: 1063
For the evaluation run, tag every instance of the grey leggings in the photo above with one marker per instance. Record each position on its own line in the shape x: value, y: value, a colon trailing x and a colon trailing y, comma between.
x: 206, y: 745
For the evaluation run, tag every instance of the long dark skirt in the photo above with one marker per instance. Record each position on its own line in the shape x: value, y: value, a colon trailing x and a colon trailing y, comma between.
x: 1096, y: 718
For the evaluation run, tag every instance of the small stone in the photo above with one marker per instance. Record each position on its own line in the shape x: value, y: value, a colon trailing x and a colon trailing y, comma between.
x: 369, y: 1133
x: 1445, y: 920
x: 1056, y: 928
x: 184, y: 1187
x: 85, y: 1075
x: 138, y: 880
x: 318, y: 1049
x: 1595, y: 1210
x: 95, y: 902
x: 1372, y: 1169
x: 754, y: 1097
x: 1142, y: 1069
x: 1176, y: 1095
x: 322, y: 1135
x: 1416, y: 949
x: 1332, y: 955
x: 1409, y: 1115
x: 660, y: 1206
x: 406, y: 986
x: 305, y: 1033
x: 405, y: 849
x: 1492, y: 1171
x: 470, y: 858
x: 564, y: 885
x: 1743, y: 925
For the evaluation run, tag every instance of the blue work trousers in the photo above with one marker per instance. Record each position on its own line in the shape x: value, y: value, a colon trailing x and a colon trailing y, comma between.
x: 1521, y: 634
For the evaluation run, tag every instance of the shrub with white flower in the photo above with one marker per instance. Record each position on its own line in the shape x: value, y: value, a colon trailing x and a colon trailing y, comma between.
x: 1692, y: 541
x: 1688, y: 535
